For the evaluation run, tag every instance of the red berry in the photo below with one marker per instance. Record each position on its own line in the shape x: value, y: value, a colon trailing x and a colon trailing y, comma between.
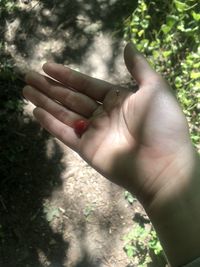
x: 80, y: 126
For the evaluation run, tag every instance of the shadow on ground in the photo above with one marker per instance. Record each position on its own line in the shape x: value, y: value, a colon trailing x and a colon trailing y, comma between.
x: 28, y: 177
x: 30, y: 174
x: 64, y: 30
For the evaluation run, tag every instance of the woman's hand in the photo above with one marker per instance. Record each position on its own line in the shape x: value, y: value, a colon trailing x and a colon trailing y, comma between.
x: 135, y: 139
x: 139, y: 140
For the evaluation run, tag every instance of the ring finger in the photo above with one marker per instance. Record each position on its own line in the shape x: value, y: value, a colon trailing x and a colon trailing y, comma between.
x: 58, y: 111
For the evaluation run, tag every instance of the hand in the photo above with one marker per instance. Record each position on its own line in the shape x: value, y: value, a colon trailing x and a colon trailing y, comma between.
x: 135, y: 139
x: 139, y: 140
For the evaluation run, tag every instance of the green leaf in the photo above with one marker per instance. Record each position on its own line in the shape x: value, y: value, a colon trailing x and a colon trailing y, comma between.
x: 165, y: 28
x: 129, y: 197
x: 130, y: 250
x: 196, y: 16
x: 51, y: 212
x: 181, y: 26
x: 171, y: 20
x: 144, y: 23
x: 144, y: 43
x: 180, y: 6
x: 178, y: 82
x: 166, y: 54
x: 156, y: 54
x: 196, y: 65
x: 140, y: 33
x: 143, y: 6
x: 194, y: 75
x: 195, y: 138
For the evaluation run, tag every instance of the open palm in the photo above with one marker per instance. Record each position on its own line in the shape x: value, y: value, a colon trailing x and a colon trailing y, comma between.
x: 133, y: 137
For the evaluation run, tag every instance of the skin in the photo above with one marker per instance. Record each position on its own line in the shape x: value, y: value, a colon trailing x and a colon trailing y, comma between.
x: 150, y: 152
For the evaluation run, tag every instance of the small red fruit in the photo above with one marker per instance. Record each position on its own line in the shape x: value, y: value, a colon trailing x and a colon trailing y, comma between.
x: 80, y: 126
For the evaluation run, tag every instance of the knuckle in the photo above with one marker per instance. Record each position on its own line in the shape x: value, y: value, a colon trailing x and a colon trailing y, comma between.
x: 44, y: 102
x: 70, y: 100
x: 63, y: 133
x: 62, y: 114
x: 66, y: 98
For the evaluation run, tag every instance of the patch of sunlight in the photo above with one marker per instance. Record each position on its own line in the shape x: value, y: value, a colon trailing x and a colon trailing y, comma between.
x: 50, y: 148
x: 11, y: 29
x: 42, y: 258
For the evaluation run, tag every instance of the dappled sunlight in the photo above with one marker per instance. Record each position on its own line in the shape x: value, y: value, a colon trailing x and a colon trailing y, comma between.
x: 58, y: 211
x: 42, y: 258
x: 65, y: 32
x: 55, y: 210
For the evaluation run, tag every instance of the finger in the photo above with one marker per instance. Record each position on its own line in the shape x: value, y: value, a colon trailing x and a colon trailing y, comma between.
x: 58, y: 129
x: 92, y: 87
x: 75, y: 101
x: 58, y: 111
x: 137, y: 65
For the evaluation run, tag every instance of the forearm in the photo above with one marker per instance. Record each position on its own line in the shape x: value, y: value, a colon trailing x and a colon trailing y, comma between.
x: 176, y: 217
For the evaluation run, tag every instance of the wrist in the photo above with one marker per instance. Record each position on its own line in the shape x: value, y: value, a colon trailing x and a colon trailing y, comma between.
x: 175, y: 211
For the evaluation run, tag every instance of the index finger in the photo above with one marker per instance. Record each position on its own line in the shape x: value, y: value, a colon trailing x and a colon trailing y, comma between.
x: 92, y: 87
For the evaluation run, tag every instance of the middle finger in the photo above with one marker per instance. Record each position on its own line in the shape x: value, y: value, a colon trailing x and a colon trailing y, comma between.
x: 73, y: 100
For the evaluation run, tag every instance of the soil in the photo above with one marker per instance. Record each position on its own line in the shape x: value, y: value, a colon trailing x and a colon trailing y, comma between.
x: 56, y: 211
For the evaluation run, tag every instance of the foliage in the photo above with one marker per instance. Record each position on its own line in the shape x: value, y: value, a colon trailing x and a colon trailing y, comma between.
x: 50, y: 212
x: 7, y: 6
x: 129, y: 197
x: 88, y: 210
x: 168, y: 33
x: 141, y: 242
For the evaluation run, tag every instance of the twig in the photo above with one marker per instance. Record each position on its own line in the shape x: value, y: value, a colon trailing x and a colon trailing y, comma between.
x: 20, y: 134
x: 3, y: 204
x: 34, y: 216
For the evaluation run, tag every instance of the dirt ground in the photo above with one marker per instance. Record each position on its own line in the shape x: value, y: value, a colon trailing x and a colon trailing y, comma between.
x: 55, y: 211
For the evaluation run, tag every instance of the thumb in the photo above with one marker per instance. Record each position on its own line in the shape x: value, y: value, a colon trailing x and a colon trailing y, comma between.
x: 137, y: 65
